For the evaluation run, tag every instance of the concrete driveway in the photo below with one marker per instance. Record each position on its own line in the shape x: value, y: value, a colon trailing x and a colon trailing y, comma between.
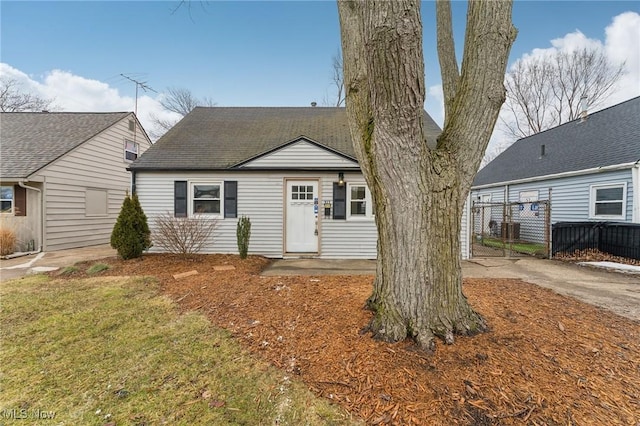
x: 616, y: 291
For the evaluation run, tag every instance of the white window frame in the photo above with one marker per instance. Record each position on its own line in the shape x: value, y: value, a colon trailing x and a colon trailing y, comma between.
x: 126, y: 150
x: 368, y: 202
x: 191, y: 199
x: 11, y: 200
x: 593, y: 189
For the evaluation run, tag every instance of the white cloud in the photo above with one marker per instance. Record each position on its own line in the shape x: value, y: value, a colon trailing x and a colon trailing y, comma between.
x: 78, y: 94
x: 435, y: 103
x: 620, y: 46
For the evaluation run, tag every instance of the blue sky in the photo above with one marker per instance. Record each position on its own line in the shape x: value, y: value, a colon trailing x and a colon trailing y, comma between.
x: 238, y: 53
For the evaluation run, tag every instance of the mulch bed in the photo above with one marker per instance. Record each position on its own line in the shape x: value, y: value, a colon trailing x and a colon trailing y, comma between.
x: 547, y: 360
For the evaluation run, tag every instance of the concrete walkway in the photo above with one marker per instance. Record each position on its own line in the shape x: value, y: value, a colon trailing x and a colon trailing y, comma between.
x: 40, y: 262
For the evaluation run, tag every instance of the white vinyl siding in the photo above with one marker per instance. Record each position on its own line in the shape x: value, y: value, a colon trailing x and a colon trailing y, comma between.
x: 299, y: 155
x: 96, y: 165
x: 261, y: 197
x: 569, y: 196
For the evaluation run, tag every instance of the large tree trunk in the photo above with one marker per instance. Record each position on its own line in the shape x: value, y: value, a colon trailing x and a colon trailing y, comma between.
x: 420, y: 191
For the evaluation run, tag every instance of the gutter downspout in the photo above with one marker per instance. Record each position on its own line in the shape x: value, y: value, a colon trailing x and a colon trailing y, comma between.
x: 21, y: 183
x: 635, y: 182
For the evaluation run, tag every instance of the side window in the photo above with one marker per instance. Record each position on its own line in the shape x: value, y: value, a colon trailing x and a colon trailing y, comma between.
x: 359, y: 201
x: 130, y: 150
x: 608, y: 201
x: 6, y: 199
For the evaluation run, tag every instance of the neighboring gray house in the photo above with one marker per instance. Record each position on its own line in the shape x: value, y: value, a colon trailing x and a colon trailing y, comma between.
x: 292, y: 171
x: 588, y: 168
x: 63, y: 175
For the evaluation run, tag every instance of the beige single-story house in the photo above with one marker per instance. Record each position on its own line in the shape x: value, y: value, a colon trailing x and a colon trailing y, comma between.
x: 63, y: 175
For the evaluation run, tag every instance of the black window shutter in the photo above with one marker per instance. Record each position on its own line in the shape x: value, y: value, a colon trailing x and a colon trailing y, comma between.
x: 339, y: 201
x: 230, y: 198
x: 180, y: 198
x: 19, y: 200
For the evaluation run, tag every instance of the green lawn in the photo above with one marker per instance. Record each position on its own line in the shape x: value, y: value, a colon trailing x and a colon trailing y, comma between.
x: 113, y: 351
x: 517, y: 246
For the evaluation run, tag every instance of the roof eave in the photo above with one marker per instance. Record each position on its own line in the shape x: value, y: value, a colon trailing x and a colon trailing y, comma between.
x: 601, y: 169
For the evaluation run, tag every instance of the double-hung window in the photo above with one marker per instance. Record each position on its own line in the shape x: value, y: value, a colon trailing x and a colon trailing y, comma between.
x: 6, y: 199
x: 608, y: 201
x: 206, y: 198
x: 131, y: 150
x: 359, y: 201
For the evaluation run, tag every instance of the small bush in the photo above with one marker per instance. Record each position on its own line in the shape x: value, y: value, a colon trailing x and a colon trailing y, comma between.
x: 131, y: 235
x: 68, y: 270
x: 182, y: 235
x: 243, y: 233
x: 98, y: 267
x: 7, y: 241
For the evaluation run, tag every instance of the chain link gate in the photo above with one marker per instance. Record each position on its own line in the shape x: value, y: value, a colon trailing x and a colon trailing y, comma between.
x: 511, y: 229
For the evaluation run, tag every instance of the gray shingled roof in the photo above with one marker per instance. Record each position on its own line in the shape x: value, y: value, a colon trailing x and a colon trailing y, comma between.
x: 607, y: 137
x: 31, y: 140
x: 213, y: 138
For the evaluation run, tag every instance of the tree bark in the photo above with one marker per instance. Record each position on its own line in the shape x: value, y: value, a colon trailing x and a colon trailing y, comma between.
x: 419, y: 192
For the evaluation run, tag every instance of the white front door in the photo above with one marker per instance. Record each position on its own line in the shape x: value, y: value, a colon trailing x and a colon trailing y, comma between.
x: 302, y: 216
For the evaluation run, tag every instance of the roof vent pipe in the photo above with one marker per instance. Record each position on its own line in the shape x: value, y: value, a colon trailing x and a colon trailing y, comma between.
x: 542, y: 147
x: 313, y: 104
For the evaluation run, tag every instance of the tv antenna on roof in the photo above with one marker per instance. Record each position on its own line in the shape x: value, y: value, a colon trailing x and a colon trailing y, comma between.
x: 140, y: 84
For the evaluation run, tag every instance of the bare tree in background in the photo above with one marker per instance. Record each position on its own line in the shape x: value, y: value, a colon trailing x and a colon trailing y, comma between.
x: 180, y: 101
x: 545, y: 92
x: 14, y: 99
x: 419, y: 189
x: 337, y: 83
x: 338, y: 79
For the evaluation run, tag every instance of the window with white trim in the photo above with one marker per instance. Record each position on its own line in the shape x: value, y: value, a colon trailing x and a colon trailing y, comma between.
x: 359, y: 201
x: 131, y: 150
x: 608, y: 201
x: 206, y: 198
x: 6, y: 199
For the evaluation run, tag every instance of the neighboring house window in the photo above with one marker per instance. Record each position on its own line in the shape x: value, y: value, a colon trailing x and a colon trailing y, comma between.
x: 130, y: 150
x: 96, y: 202
x: 6, y: 199
x: 206, y: 198
x: 608, y: 201
x: 359, y: 201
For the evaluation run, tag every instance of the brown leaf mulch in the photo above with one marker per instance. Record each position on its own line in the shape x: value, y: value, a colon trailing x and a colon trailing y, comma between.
x: 595, y: 255
x: 547, y: 360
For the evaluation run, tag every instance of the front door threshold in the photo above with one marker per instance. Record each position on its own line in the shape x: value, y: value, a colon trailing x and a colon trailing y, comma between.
x: 300, y: 255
